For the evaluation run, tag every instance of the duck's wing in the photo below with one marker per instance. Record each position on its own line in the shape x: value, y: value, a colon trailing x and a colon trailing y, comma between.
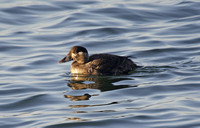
x: 106, y: 64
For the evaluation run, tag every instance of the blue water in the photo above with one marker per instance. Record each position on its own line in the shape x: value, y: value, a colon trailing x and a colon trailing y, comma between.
x: 162, y: 36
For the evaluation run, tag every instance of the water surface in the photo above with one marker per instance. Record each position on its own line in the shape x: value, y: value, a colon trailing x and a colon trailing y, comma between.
x: 161, y: 36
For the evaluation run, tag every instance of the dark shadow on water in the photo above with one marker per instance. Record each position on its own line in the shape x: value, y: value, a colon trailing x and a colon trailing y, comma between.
x: 79, y: 98
x: 102, y: 83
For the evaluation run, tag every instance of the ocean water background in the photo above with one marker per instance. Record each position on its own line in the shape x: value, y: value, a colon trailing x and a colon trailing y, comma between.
x: 162, y: 36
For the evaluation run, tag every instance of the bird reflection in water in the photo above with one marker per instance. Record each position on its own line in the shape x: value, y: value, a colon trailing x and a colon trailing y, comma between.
x: 78, y: 98
x: 102, y: 83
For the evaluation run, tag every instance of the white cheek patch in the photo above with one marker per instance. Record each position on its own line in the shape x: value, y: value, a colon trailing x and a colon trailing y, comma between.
x: 73, y: 55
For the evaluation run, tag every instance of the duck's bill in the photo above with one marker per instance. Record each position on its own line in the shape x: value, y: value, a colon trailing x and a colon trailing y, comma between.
x: 65, y: 59
x: 62, y: 61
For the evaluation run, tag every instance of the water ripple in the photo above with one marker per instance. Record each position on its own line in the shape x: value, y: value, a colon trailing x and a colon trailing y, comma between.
x: 160, y: 36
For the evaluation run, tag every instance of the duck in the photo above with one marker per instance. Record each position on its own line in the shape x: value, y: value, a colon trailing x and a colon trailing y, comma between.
x: 97, y: 64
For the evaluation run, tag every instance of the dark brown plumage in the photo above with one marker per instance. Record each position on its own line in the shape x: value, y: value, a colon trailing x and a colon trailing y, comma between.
x: 97, y: 64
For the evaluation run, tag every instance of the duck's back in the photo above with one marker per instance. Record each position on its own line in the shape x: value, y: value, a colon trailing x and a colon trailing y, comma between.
x: 106, y: 64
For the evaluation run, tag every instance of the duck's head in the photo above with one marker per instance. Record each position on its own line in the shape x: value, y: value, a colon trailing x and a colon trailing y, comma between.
x: 76, y: 53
